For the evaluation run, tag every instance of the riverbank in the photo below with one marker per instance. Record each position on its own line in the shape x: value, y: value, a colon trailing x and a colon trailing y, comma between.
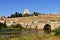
x: 33, y: 36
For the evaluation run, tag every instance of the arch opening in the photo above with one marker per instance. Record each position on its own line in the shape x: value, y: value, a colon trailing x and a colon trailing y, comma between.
x: 47, y: 28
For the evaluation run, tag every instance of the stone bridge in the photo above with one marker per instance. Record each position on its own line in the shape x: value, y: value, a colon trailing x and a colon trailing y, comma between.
x: 42, y: 25
x: 38, y: 22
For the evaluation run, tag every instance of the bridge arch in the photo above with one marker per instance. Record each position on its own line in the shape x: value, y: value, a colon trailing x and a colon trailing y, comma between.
x: 47, y: 28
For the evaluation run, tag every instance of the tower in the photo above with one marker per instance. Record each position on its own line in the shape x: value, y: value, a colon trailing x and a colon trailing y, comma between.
x: 26, y: 11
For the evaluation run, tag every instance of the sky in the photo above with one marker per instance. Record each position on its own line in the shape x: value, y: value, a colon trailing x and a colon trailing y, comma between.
x: 8, y: 7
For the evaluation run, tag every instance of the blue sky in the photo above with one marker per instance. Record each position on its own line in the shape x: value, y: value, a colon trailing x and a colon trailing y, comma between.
x: 7, y: 7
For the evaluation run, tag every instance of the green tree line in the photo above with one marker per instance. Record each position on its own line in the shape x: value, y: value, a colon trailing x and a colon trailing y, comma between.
x: 17, y: 14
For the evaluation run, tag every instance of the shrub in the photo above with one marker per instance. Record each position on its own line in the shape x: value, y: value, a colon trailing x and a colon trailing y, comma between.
x: 52, y: 20
x: 26, y: 15
x: 57, y: 31
x: 3, y: 25
x: 16, y: 26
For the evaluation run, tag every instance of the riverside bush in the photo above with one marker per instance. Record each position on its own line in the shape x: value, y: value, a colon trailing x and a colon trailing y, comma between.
x: 57, y: 31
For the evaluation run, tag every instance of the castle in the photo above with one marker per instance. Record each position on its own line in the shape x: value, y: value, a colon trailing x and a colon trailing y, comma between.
x: 39, y: 22
x: 26, y: 11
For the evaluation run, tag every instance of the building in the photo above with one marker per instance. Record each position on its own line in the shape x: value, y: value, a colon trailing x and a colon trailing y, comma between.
x: 26, y: 11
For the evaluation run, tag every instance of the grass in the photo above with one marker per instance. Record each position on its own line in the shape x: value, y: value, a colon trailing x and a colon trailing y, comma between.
x: 9, y: 30
x: 29, y: 36
x: 34, y: 37
x: 38, y: 37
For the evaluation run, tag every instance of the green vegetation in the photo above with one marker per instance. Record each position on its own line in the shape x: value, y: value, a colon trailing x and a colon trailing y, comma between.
x: 17, y: 14
x: 52, y: 20
x: 35, y: 13
x: 57, y: 31
x: 4, y: 29
x: 16, y: 26
x: 26, y: 15
x: 33, y: 37
x: 3, y: 25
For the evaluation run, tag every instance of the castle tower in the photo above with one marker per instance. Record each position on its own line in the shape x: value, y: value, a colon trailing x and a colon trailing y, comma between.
x: 26, y: 11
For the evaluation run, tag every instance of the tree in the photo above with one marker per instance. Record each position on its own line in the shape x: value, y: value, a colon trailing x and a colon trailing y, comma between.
x: 12, y: 16
x: 35, y: 13
x: 26, y: 15
x: 16, y: 14
x: 20, y: 15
